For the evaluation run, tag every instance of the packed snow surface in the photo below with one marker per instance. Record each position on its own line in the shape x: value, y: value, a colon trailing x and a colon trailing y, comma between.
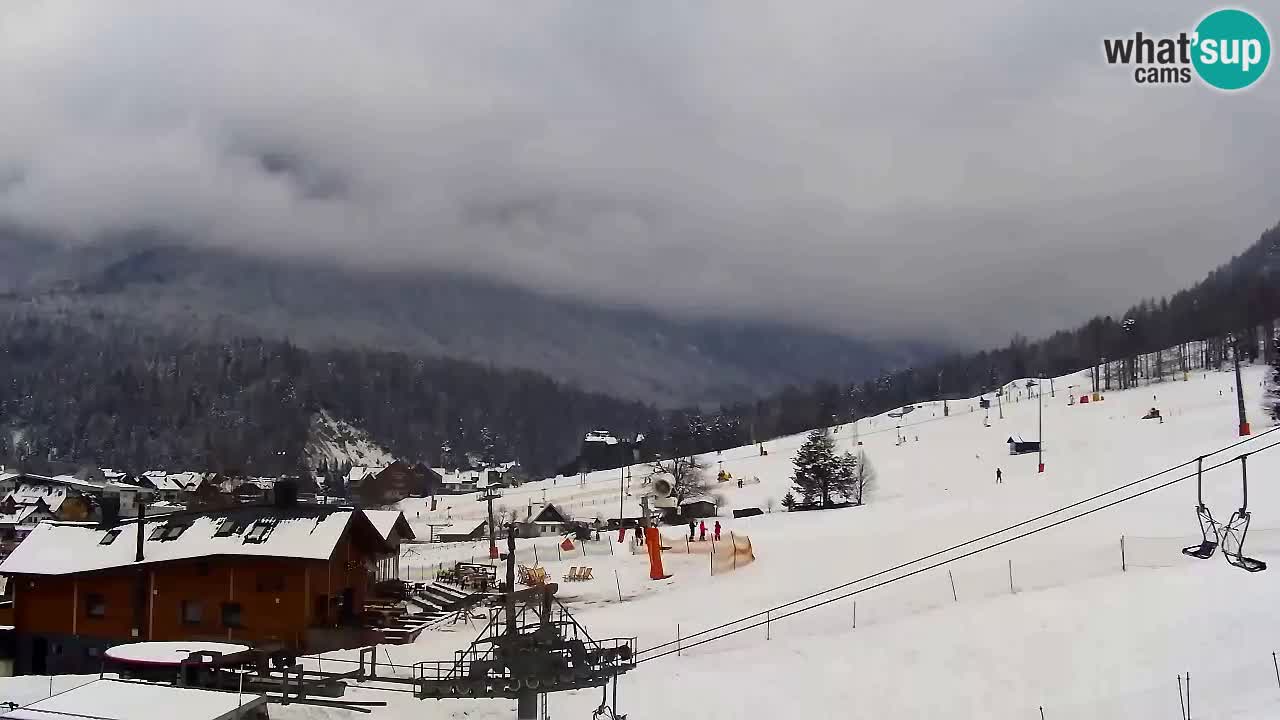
x: 1091, y: 617
x: 111, y: 699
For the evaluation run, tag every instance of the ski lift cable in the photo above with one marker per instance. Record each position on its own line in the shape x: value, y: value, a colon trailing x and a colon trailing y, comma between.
x: 682, y: 647
x: 667, y: 647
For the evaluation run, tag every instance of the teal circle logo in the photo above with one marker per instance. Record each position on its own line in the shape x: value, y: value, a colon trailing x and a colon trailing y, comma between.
x: 1232, y: 49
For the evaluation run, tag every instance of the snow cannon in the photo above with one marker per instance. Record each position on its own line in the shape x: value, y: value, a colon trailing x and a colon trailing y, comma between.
x: 661, y: 492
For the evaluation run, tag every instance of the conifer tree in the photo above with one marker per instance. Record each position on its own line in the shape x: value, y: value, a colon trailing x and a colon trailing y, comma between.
x: 818, y: 473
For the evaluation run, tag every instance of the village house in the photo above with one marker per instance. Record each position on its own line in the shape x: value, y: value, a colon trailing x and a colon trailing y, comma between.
x: 547, y: 520
x: 459, y: 482
x: 17, y: 521
x: 65, y: 500
x: 210, y: 496
x: 287, y: 574
x: 383, y: 486
x: 171, y: 487
x: 698, y: 508
x: 463, y: 531
x: 393, y: 528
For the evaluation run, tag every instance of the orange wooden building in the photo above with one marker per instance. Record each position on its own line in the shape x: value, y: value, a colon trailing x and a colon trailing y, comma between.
x: 297, y: 576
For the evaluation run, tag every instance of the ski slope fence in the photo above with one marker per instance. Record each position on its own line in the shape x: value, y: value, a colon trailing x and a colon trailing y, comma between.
x: 420, y: 562
x: 724, y: 555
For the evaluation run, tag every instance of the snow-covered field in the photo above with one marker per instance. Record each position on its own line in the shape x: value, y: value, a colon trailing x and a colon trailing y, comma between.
x: 1052, y: 621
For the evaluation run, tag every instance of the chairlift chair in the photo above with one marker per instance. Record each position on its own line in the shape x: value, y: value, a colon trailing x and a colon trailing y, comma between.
x: 1233, y: 533
x: 1208, y: 526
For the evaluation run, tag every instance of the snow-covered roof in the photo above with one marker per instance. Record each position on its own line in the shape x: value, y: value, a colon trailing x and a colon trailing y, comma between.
x: 22, y: 514
x: 176, y: 482
x: 133, y: 700
x: 168, y: 653
x: 190, y: 481
x: 55, y: 548
x: 75, y: 482
x: 601, y: 436
x: 386, y: 520
x: 539, y: 509
x: 360, y: 472
x: 29, y: 494
x: 462, y: 527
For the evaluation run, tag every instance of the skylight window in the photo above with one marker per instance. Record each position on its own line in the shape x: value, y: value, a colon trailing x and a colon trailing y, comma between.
x: 231, y: 526
x: 260, y: 530
x: 169, y: 531
x: 110, y: 537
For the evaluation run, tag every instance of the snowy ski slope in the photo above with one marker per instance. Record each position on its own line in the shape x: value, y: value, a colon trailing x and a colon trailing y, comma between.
x: 1055, y: 620
x: 1052, y: 620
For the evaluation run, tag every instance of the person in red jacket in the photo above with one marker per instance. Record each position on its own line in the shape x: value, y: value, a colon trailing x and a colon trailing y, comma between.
x: 702, y: 530
x: 717, y: 530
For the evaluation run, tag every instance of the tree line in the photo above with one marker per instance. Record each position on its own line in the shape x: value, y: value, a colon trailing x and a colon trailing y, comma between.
x: 1236, y: 305
x: 117, y: 395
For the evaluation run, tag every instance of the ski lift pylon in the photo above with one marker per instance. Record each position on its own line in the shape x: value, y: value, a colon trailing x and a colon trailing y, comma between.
x: 1208, y: 526
x: 1234, y: 532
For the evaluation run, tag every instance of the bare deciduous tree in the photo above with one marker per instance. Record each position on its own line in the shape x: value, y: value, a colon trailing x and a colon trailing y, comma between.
x: 687, y: 475
x: 862, y: 473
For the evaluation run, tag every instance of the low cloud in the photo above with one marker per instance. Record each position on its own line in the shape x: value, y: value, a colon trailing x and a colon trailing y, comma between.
x: 962, y: 173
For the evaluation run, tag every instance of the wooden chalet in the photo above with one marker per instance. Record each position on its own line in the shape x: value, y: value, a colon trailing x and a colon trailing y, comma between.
x: 289, y: 575
x: 463, y: 531
x: 383, y: 486
x: 548, y: 520
x: 394, y: 529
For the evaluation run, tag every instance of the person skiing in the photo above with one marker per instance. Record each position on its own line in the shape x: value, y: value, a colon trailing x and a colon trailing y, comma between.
x: 999, y: 476
x: 717, y: 531
x: 702, y: 531
x: 691, y: 527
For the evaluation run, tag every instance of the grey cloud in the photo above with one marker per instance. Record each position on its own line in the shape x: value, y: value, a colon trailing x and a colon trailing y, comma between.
x: 964, y: 171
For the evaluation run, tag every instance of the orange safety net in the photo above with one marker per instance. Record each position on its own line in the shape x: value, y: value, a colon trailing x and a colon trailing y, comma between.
x: 730, y: 552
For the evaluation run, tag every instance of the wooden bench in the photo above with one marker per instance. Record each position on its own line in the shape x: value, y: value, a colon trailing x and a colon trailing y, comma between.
x: 533, y: 575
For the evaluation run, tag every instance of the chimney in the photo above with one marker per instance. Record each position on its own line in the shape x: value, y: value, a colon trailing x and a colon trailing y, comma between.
x: 286, y: 493
x: 109, y: 511
x: 142, y: 524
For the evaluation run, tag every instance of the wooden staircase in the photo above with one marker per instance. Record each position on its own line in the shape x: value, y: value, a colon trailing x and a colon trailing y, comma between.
x: 427, y: 606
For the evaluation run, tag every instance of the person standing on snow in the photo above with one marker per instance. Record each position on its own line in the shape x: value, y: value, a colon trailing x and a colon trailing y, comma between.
x: 690, y: 530
x: 717, y: 531
x: 702, y: 531
x: 999, y: 476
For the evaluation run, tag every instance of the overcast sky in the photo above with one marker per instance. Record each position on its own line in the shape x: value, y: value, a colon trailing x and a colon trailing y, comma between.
x: 888, y: 169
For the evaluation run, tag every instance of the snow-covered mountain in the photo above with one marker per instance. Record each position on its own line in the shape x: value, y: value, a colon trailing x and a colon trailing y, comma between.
x: 162, y: 285
x: 334, y: 442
